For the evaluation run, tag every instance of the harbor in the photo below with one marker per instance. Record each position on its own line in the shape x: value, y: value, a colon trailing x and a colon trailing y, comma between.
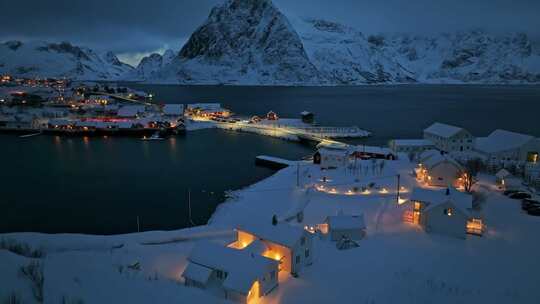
x: 60, y: 107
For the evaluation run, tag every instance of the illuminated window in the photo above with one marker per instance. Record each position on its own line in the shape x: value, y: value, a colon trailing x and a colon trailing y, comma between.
x: 448, y: 211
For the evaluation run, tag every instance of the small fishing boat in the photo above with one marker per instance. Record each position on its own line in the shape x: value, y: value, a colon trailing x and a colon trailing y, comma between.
x: 155, y: 136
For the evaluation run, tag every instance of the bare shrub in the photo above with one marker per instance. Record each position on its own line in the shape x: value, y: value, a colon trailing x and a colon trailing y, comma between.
x: 20, y: 248
x: 34, y: 273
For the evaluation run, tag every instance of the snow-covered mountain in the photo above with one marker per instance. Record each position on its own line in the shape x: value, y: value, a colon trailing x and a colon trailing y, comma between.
x: 252, y: 42
x: 42, y: 59
x: 150, y: 65
x: 243, y: 42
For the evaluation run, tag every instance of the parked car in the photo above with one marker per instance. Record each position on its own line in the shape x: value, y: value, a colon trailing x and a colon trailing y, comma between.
x: 509, y: 192
x: 527, y: 204
x: 534, y: 211
x: 520, y: 195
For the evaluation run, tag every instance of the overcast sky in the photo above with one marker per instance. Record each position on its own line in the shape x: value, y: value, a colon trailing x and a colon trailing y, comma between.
x: 136, y: 27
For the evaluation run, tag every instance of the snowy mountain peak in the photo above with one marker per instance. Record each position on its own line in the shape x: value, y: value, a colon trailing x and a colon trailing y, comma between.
x: 244, y: 41
x: 151, y: 64
x: 43, y: 59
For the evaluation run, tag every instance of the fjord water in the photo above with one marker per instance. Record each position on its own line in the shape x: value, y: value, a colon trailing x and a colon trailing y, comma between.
x: 101, y: 186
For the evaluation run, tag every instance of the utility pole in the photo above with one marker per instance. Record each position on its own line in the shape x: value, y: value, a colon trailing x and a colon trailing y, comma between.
x: 189, y: 207
x: 138, y: 224
x: 297, y: 174
x: 398, y: 186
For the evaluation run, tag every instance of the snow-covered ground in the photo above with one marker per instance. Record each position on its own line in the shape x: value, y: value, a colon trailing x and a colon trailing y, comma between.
x: 395, y: 263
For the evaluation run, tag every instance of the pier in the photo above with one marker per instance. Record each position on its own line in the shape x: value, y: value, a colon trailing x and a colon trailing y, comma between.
x: 273, y: 162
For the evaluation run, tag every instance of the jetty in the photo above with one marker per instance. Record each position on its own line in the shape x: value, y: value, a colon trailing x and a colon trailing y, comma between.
x: 273, y: 162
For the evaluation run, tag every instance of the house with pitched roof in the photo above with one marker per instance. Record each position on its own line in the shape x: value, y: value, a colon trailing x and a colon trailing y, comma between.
x: 447, y: 211
x: 440, y: 170
x: 237, y: 275
x: 502, y: 148
x: 291, y: 246
x: 449, y: 138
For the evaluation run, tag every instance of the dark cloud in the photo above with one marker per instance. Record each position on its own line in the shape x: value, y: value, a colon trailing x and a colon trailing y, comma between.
x: 140, y: 26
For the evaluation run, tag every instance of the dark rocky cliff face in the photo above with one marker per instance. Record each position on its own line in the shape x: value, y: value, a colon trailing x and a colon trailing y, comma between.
x: 255, y: 38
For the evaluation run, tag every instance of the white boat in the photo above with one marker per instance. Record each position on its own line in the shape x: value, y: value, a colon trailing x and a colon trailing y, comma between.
x: 154, y: 136
x: 30, y: 135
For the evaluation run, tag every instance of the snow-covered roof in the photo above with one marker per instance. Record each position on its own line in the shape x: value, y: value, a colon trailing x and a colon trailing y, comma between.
x: 461, y: 200
x: 371, y: 149
x: 502, y: 140
x: 443, y: 130
x: 130, y: 111
x: 412, y: 142
x: 436, y: 159
x: 502, y: 173
x: 346, y: 221
x: 283, y: 234
x: 243, y: 268
x: 424, y: 156
x: 173, y: 109
x: 304, y: 113
x: 197, y: 273
x: 334, y: 152
x: 256, y: 247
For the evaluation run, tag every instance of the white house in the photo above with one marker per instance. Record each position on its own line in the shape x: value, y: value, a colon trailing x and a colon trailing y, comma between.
x: 338, y: 227
x: 502, y: 148
x: 291, y: 246
x: 414, y: 146
x: 532, y: 174
x: 233, y: 274
x: 449, y: 138
x: 441, y: 171
x: 331, y: 158
x: 445, y: 211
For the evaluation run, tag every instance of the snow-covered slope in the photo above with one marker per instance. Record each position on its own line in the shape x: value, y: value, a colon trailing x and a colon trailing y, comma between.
x: 252, y: 42
x: 466, y: 57
x: 244, y: 42
x: 42, y: 59
x: 345, y: 56
x: 151, y: 64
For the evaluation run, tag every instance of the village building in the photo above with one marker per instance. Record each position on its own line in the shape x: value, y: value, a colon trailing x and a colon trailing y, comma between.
x: 330, y: 158
x: 410, y: 146
x: 291, y: 246
x: 207, y: 110
x: 173, y: 110
x: 504, y: 148
x: 307, y: 117
x: 236, y: 275
x: 272, y: 116
x: 449, y: 138
x: 532, y: 174
x: 131, y: 111
x: 447, y: 211
x: 441, y: 171
x: 370, y: 152
x: 338, y: 227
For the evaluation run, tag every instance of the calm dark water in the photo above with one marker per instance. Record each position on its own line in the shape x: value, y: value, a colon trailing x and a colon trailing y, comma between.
x: 97, y: 185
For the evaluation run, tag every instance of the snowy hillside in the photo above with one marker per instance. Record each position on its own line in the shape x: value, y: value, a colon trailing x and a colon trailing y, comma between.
x: 150, y: 65
x: 42, y: 59
x: 252, y: 42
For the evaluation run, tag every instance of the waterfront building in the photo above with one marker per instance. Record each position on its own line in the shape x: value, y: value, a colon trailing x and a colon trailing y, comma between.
x: 449, y: 138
